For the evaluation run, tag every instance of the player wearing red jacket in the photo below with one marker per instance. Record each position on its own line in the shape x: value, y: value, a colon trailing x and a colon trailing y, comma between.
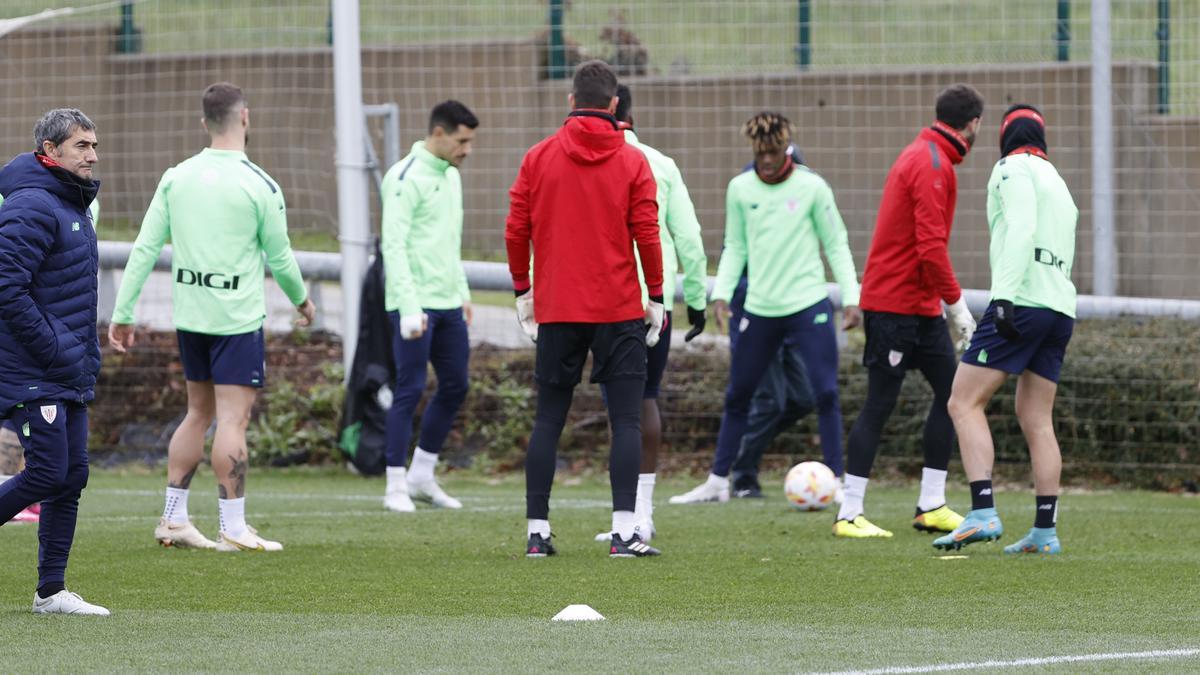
x: 907, y: 278
x: 582, y: 198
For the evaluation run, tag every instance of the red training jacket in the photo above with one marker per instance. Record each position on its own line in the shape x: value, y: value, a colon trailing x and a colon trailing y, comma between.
x: 582, y: 197
x: 908, y: 267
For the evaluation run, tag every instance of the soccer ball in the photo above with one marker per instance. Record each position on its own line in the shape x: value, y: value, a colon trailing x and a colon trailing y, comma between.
x: 810, y: 486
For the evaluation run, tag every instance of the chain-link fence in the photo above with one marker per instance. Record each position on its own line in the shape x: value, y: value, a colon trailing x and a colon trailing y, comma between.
x: 856, y: 77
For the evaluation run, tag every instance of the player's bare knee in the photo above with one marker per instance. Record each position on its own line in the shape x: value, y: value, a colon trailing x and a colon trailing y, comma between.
x: 1035, y: 422
x: 961, y: 407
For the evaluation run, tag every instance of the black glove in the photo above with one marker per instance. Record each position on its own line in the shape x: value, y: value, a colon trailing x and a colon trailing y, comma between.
x: 697, y: 318
x: 1006, y: 320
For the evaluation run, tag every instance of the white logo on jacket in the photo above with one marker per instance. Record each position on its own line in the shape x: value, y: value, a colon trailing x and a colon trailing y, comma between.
x: 49, y: 413
x: 895, y: 357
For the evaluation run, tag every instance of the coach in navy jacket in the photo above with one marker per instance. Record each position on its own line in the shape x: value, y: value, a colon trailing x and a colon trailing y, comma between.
x: 49, y: 352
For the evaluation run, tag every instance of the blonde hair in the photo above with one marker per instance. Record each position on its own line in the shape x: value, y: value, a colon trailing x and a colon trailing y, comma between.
x: 768, y: 130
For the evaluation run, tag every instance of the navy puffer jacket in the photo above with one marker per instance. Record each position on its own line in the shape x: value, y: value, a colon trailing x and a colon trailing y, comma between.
x: 49, y: 349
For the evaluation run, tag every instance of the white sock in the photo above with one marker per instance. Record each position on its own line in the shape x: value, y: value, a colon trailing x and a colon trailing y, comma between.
x: 397, y: 480
x: 644, y: 509
x: 541, y: 527
x: 623, y: 523
x: 175, y: 511
x: 854, y: 490
x: 421, y: 469
x: 718, y: 481
x: 233, y: 516
x: 933, y: 489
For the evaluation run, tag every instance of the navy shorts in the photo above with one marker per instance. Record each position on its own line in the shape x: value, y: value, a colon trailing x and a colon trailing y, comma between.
x: 1040, y: 349
x: 224, y: 359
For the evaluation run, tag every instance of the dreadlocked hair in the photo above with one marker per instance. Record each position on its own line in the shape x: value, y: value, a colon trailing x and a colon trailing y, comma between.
x: 768, y: 130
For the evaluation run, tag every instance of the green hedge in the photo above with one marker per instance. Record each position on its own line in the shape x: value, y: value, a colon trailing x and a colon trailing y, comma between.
x: 1128, y: 409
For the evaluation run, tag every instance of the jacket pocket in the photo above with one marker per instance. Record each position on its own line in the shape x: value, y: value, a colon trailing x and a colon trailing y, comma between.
x: 69, y: 354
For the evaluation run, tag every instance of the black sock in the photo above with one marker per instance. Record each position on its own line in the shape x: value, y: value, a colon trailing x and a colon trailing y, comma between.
x: 1047, y: 512
x: 46, y: 590
x: 981, y: 495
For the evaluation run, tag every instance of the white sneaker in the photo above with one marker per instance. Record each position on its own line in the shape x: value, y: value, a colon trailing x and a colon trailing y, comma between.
x: 66, y: 602
x: 429, y: 491
x: 181, y: 535
x: 708, y: 491
x: 250, y: 541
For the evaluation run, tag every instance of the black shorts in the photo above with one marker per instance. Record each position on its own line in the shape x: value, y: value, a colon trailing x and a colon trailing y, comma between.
x: 897, y: 342
x: 224, y: 359
x: 656, y: 362
x: 618, y: 352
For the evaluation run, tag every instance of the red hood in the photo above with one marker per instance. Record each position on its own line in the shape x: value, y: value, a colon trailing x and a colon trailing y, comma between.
x: 589, y: 140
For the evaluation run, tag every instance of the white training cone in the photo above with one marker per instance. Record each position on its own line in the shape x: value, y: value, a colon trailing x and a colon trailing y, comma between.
x: 578, y: 613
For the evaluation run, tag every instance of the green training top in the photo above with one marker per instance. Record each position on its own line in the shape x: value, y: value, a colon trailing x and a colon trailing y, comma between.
x: 422, y: 234
x: 221, y: 213
x: 773, y: 232
x: 678, y: 229
x: 1031, y: 217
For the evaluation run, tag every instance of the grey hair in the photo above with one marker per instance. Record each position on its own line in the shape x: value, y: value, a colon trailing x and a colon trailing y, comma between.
x: 57, y: 126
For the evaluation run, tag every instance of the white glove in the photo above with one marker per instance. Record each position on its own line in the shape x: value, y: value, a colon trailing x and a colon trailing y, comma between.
x: 655, y: 315
x: 525, y: 315
x: 962, y: 324
x: 412, y: 326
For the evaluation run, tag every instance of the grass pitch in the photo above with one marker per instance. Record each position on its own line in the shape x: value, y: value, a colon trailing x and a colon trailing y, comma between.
x: 745, y: 586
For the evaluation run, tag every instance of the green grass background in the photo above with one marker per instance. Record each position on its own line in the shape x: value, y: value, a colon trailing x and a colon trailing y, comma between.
x: 747, y: 586
x: 697, y: 36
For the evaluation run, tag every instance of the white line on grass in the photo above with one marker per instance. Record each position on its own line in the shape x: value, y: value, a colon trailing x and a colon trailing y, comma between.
x: 1021, y: 663
x: 505, y: 502
x: 569, y: 504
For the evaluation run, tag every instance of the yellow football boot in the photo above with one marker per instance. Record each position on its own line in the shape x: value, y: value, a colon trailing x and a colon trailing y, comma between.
x: 941, y: 519
x: 859, y: 528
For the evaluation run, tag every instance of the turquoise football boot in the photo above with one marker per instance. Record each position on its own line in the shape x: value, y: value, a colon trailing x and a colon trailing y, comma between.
x: 1039, y: 540
x: 978, y: 525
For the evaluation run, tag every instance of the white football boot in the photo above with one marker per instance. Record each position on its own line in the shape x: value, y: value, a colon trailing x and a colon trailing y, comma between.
x: 715, y: 489
x: 645, y: 529
x: 66, y: 602
x: 395, y: 497
x: 430, y: 492
x: 250, y: 541
x: 181, y: 535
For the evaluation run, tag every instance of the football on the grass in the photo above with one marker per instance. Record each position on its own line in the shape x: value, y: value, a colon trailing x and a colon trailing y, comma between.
x: 810, y: 486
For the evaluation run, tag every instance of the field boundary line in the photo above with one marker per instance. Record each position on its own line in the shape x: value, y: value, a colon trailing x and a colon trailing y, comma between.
x: 1021, y: 663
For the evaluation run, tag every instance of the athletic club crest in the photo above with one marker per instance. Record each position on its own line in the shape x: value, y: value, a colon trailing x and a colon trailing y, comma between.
x: 792, y: 205
x: 894, y: 357
x: 49, y: 413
